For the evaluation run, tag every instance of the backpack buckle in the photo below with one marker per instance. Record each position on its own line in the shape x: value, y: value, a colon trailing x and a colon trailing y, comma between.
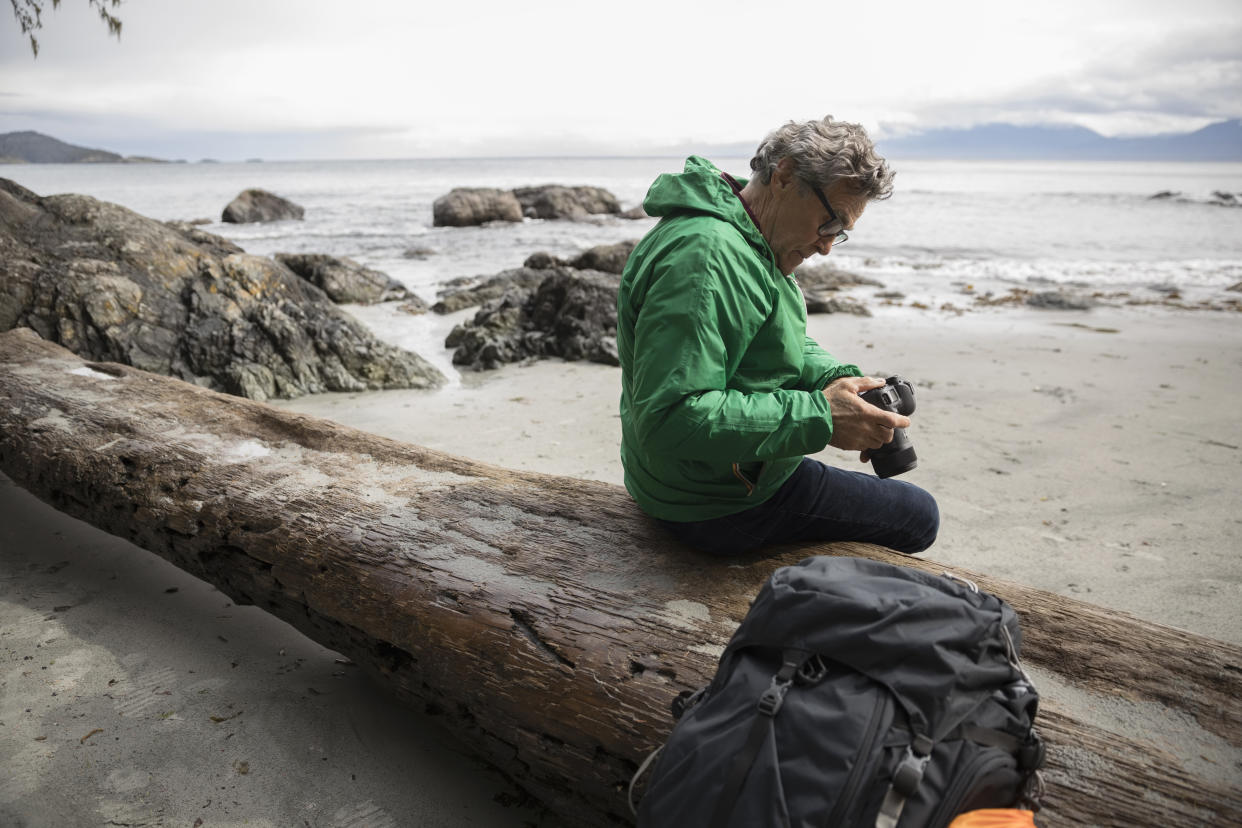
x: 909, y: 773
x: 905, y: 782
x: 812, y: 672
x: 772, y: 699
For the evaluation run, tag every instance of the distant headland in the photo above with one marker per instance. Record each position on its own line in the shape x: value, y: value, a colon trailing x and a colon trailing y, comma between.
x: 37, y: 148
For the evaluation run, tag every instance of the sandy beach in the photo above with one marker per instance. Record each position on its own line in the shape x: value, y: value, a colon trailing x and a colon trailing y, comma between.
x: 1095, y: 454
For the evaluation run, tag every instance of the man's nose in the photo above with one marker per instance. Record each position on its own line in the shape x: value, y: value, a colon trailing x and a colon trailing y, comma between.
x: 824, y: 244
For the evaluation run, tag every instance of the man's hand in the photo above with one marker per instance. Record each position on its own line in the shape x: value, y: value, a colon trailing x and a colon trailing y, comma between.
x: 857, y: 425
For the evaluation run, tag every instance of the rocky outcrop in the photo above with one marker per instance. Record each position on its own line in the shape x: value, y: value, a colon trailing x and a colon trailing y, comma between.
x: 1218, y: 198
x: 820, y: 282
x: 823, y: 303
x: 572, y: 314
x: 1059, y: 300
x: 822, y: 277
x: 468, y: 206
x: 217, y: 245
x: 469, y: 292
x: 552, y: 201
x: 610, y: 258
x: 113, y: 286
x: 259, y: 205
x: 344, y: 280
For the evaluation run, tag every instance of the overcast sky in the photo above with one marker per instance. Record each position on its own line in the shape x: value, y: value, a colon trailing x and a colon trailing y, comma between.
x: 401, y: 78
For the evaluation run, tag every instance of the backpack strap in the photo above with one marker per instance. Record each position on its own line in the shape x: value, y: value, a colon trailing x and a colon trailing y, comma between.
x: 651, y: 757
x: 905, y: 782
x: 769, y: 705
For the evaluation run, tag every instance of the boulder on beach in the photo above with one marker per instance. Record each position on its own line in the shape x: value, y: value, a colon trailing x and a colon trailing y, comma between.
x: 821, y: 303
x: 1059, y: 300
x: 114, y: 286
x: 468, y: 206
x: 467, y: 293
x: 610, y: 258
x: 542, y: 260
x: 344, y: 280
x: 1237, y: 287
x: 256, y: 205
x: 572, y: 314
x: 821, y: 277
x: 553, y: 201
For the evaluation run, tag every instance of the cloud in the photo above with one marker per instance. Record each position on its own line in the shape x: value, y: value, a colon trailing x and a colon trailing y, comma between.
x: 400, y: 79
x: 1179, y: 82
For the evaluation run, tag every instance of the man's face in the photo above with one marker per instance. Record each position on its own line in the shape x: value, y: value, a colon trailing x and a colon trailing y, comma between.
x: 795, y: 235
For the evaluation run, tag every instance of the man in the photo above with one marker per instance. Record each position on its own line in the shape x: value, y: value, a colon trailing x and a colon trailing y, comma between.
x: 722, y: 392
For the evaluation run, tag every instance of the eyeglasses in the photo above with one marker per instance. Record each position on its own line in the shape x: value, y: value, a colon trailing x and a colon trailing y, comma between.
x: 833, y: 227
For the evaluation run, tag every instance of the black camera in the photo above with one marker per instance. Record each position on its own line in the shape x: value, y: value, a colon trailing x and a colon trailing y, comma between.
x: 897, y: 455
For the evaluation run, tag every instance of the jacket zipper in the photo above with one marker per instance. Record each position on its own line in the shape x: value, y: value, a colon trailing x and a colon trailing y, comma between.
x: 863, y: 766
x: 750, y: 487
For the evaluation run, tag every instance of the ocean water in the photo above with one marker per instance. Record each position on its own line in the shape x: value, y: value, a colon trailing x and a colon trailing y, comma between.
x: 990, y: 225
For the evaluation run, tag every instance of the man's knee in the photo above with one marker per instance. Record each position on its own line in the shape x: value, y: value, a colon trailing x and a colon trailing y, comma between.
x: 923, y: 522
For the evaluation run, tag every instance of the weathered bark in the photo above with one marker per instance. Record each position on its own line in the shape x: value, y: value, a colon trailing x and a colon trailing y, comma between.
x: 542, y: 617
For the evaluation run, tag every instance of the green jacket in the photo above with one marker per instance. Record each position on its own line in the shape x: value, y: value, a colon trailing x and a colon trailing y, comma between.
x: 720, y: 385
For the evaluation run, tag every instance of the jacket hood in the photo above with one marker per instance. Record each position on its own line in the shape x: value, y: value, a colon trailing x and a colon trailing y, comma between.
x: 701, y: 189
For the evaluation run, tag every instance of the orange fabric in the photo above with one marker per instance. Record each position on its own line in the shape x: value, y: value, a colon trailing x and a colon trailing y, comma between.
x: 995, y: 818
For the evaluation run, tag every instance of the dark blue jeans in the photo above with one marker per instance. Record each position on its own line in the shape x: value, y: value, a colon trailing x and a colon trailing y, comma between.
x: 822, y: 503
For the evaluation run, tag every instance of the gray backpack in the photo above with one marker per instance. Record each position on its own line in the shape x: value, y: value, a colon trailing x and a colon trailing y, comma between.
x: 854, y: 693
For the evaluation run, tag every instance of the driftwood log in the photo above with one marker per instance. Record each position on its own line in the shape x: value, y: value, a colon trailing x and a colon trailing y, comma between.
x: 544, y: 618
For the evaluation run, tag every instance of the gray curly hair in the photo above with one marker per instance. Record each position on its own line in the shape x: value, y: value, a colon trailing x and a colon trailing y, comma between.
x: 824, y: 153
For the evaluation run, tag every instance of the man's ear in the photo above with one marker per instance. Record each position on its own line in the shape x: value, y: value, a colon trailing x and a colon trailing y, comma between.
x: 784, y: 178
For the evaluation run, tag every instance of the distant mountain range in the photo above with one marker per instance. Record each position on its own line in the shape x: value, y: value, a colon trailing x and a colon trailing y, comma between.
x: 37, y: 148
x: 989, y: 142
x: 1216, y: 142
x: 1005, y: 142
